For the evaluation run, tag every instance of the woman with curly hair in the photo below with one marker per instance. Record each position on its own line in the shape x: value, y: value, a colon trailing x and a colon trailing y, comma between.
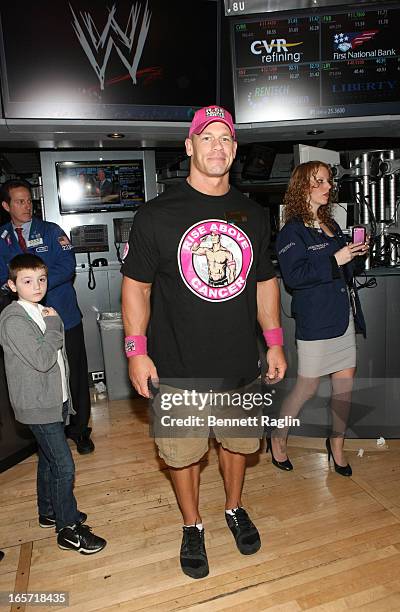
x: 316, y: 266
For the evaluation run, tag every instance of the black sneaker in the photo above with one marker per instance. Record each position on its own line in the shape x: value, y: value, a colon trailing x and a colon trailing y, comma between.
x: 244, y: 531
x: 47, y: 521
x: 50, y: 521
x: 193, y: 553
x: 84, y: 445
x: 81, y: 539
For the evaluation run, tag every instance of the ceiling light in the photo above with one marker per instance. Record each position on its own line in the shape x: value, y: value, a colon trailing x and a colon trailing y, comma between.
x: 116, y: 135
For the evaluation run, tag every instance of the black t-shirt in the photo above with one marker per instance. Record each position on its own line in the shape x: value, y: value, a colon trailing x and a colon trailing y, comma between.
x: 204, y: 272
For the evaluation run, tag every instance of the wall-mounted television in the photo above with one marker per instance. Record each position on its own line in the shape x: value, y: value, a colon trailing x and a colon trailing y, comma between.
x: 317, y: 64
x: 147, y: 60
x: 87, y: 187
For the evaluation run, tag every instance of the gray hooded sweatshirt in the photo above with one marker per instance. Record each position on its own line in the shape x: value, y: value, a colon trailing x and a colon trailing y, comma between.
x: 33, y: 374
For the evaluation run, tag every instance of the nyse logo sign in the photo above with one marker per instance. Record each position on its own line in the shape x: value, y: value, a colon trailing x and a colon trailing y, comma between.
x: 98, y: 46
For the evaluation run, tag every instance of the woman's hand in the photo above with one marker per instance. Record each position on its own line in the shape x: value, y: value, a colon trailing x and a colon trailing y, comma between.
x: 348, y: 252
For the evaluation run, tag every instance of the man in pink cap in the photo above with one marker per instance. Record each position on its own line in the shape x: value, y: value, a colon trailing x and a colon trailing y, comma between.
x: 202, y: 334
x: 221, y: 264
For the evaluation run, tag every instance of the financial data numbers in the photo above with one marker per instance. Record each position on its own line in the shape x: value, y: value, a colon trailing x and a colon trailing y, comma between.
x: 317, y: 65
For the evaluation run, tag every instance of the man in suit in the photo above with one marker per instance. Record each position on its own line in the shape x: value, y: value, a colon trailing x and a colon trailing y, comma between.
x: 105, y: 187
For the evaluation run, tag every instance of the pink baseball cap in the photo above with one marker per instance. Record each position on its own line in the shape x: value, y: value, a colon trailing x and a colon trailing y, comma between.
x: 211, y: 114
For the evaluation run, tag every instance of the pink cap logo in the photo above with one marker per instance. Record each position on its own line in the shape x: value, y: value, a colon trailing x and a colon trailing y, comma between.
x: 214, y: 259
x: 211, y: 114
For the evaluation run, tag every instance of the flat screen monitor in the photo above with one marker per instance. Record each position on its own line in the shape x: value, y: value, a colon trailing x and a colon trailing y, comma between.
x: 87, y: 187
x: 148, y: 60
x: 324, y: 63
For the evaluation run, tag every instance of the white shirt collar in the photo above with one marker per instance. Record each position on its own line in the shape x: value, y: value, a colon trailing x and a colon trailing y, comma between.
x: 26, y: 228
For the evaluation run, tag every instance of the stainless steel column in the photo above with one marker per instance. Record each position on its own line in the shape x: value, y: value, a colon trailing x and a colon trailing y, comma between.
x: 357, y: 189
x: 373, y: 208
x: 382, y: 193
x: 366, y: 199
x: 372, y: 191
x: 381, y: 212
x: 392, y: 192
x: 365, y: 188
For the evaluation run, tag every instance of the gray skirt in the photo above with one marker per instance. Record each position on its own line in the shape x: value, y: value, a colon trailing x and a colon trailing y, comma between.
x: 321, y: 357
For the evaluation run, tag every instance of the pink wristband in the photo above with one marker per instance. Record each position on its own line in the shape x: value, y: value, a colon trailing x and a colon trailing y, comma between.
x: 274, y: 337
x: 135, y: 345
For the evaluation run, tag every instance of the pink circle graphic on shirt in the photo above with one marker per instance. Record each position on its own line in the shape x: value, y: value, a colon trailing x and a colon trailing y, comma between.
x: 214, y: 259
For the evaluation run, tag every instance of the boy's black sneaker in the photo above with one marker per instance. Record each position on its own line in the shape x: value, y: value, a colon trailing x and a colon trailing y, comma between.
x: 81, y: 539
x: 84, y: 445
x: 50, y: 521
x: 244, y: 531
x: 194, y: 561
x: 47, y: 521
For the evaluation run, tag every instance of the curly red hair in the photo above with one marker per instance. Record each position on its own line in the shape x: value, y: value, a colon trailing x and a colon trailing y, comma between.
x: 297, y: 196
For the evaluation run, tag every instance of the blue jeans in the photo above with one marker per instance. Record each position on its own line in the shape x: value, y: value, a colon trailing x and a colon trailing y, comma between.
x: 56, y: 473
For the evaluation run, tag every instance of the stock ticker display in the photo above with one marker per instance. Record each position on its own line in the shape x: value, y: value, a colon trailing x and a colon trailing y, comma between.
x: 319, y: 65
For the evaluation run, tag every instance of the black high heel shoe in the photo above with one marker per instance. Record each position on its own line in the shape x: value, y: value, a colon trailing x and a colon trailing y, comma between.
x: 286, y: 465
x: 343, y: 470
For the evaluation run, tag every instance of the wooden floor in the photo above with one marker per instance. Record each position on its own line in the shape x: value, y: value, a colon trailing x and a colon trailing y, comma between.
x: 328, y: 543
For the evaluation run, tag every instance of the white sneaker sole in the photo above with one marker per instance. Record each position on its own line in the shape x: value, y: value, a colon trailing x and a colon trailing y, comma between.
x: 81, y: 550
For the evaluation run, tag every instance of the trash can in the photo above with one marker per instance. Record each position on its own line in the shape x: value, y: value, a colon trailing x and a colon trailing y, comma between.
x: 115, y: 362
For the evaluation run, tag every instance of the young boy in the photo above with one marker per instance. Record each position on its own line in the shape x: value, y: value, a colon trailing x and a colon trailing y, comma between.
x: 37, y: 375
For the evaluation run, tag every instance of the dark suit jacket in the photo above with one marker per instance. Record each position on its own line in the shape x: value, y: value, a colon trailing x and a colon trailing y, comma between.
x: 320, y: 288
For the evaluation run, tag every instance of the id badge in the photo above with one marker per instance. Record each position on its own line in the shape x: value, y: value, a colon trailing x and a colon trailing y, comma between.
x: 34, y: 243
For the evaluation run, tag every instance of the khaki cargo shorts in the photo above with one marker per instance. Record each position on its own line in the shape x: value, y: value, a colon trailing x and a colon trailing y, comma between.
x: 182, y: 432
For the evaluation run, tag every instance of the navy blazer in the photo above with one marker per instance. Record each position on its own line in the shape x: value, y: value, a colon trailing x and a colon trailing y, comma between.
x: 48, y: 241
x: 319, y: 286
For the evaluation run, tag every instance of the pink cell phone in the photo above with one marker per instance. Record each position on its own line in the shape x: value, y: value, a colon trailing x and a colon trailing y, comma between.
x: 358, y: 235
